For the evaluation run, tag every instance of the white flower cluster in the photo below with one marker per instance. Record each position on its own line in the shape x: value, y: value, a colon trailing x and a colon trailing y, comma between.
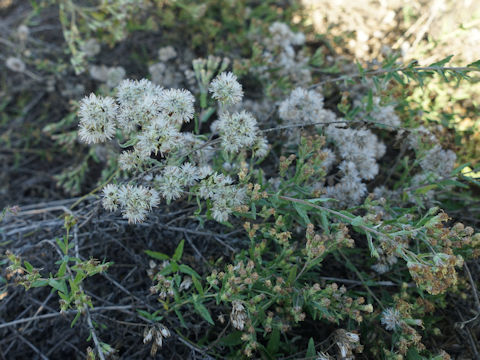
x: 282, y: 36
x: 439, y: 161
x: 138, y: 105
x: 381, y: 114
x: 205, y: 183
x: 158, y: 333
x: 111, y: 76
x: 304, y: 106
x: 385, y: 262
x: 238, y: 130
x: 150, y: 118
x: 436, y: 164
x: 385, y: 115
x: 226, y: 89
x: 97, y: 119
x: 91, y: 47
x: 173, y: 180
x: 135, y: 99
x: 135, y: 201
x: 391, y: 319
x: 360, y: 149
x: 15, y: 64
x: 280, y: 54
x: 238, y: 316
x: 360, y: 146
x: 350, y: 190
x: 357, y: 149
x: 224, y: 195
x: 173, y: 70
x: 166, y: 53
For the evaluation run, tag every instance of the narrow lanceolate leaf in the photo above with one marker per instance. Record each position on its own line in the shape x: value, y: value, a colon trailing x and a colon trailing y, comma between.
x: 274, y: 342
x: 441, y: 62
x: 475, y: 64
x: 178, y: 251
x: 58, y: 285
x: 28, y: 266
x: 203, y: 312
x: 189, y: 271
x: 311, y: 349
x: 157, y: 255
x: 301, y: 210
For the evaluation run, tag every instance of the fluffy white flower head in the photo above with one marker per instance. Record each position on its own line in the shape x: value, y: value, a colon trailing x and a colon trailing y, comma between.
x: 226, y: 89
x: 131, y: 92
x: 15, y: 64
x: 111, y: 196
x: 136, y: 201
x: 115, y: 75
x: 302, y: 105
x: 439, y: 161
x: 166, y: 53
x: 97, y: 119
x: 178, y: 105
x: 237, y: 130
x: 170, y: 183
x: 391, y: 318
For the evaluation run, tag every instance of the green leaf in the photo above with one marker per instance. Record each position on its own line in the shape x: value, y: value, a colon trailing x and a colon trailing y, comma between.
x: 58, y: 285
x: 474, y: 64
x: 61, y: 245
x: 174, y: 266
x: 79, y: 277
x: 315, y: 200
x: 292, y: 275
x: 207, y: 114
x: 325, y: 224
x: 157, y: 255
x: 317, y: 59
x: 40, y: 283
x: 129, y: 143
x: 203, y: 311
x: 197, y: 285
x: 425, y: 189
x: 62, y: 269
x: 145, y: 314
x: 311, y: 353
x: 370, y: 101
x: 232, y: 339
x: 254, y: 211
x: 357, y: 221
x: 189, y: 271
x: 180, y: 318
x: 398, y: 78
x: 28, y: 266
x: 453, y: 183
x: 301, y: 210
x: 168, y: 269
x: 274, y: 342
x: 459, y: 169
x: 361, y: 70
x: 441, y: 62
x: 178, y: 251
x: 412, y: 354
x: 77, y: 316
